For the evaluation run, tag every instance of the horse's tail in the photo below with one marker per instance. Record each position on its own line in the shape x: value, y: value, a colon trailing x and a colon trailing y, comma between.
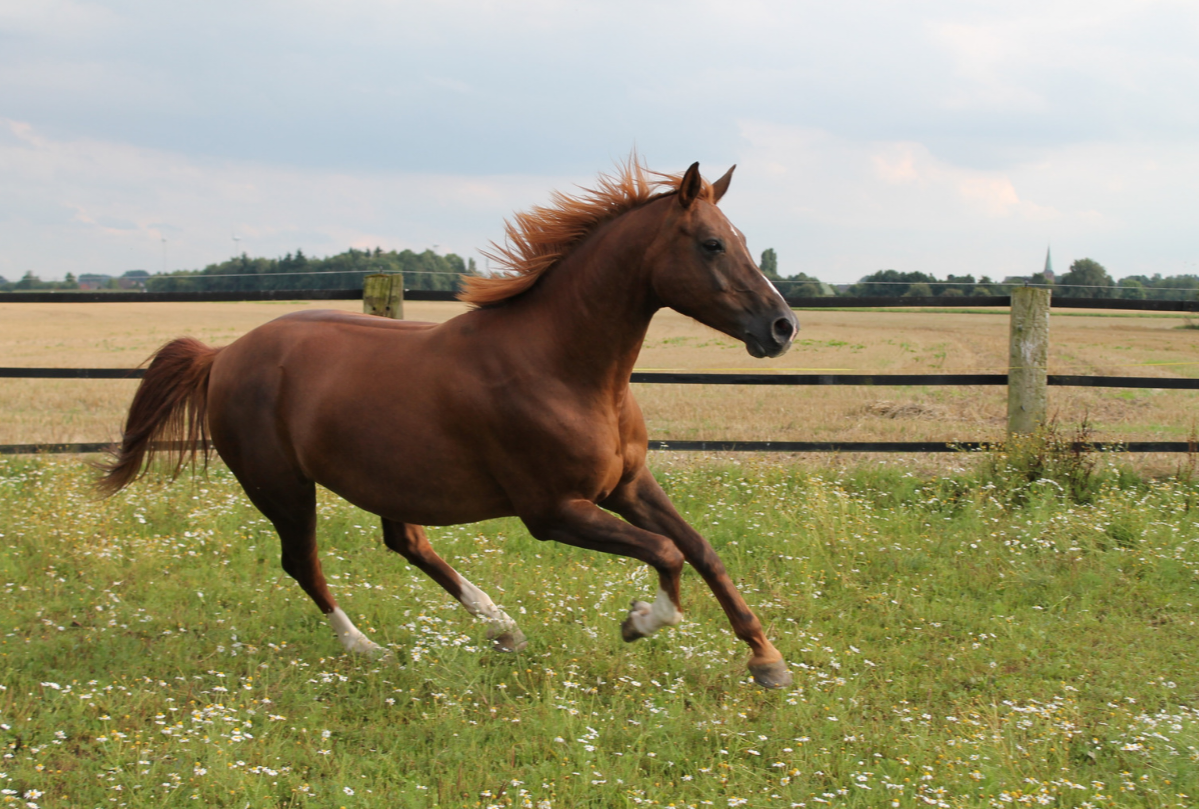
x: 169, y: 414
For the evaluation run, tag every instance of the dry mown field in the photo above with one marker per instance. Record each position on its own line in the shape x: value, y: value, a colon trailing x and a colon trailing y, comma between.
x: 123, y: 335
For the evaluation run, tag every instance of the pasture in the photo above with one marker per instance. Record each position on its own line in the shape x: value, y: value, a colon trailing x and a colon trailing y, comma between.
x: 963, y: 640
x: 961, y: 634
x: 930, y: 341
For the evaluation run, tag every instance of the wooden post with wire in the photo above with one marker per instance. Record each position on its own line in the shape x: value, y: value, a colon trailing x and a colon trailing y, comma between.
x: 383, y: 295
x: 1028, y: 361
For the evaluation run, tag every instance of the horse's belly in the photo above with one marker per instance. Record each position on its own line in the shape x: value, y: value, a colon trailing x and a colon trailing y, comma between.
x: 406, y: 466
x: 443, y: 496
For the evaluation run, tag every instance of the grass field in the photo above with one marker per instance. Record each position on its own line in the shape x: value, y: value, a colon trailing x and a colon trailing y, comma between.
x: 123, y: 335
x: 965, y: 640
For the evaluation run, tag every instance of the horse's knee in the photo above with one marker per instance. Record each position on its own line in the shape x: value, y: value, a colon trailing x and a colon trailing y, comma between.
x: 672, y: 559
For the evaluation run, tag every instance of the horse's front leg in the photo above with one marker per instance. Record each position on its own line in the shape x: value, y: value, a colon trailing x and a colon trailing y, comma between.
x: 582, y: 524
x: 642, y: 502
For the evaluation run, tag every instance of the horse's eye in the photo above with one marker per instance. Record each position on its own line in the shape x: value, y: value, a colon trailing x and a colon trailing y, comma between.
x: 714, y: 246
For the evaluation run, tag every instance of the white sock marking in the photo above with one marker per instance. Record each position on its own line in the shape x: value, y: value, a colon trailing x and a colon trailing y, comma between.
x: 352, y: 639
x: 652, y: 617
x: 479, y: 604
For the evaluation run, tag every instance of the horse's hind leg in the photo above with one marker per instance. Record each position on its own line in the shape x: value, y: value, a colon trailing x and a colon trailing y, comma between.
x: 289, y: 502
x: 410, y: 542
x: 297, y: 534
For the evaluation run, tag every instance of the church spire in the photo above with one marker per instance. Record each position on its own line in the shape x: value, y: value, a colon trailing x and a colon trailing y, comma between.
x: 1048, y: 272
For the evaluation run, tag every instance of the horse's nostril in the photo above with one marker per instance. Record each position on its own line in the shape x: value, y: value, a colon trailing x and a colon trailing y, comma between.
x: 783, y: 329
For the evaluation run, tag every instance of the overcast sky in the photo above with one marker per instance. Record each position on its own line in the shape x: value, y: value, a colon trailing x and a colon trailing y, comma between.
x: 943, y: 136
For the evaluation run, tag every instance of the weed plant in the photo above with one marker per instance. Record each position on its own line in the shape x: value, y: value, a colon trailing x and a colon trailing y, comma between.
x: 974, y: 639
x: 1050, y: 461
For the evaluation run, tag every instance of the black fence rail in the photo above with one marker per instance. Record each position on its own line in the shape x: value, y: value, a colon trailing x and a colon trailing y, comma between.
x: 686, y: 378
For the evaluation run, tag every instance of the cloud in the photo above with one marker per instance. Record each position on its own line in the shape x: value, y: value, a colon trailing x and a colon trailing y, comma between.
x: 870, y: 134
x: 839, y: 208
x: 94, y: 206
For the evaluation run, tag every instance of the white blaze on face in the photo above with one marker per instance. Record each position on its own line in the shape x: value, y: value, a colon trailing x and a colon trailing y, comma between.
x: 353, y: 640
x: 653, y: 617
x: 479, y: 604
x: 745, y: 246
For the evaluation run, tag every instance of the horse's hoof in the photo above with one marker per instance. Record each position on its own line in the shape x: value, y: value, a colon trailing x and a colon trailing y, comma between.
x: 628, y: 630
x: 511, y: 641
x: 771, y: 675
x: 364, y: 647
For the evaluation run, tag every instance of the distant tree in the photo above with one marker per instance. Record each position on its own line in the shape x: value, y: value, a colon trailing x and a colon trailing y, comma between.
x: 346, y: 270
x: 28, y: 281
x: 889, y: 283
x: 1131, y: 289
x: 807, y: 289
x: 953, y: 292
x: 920, y: 289
x: 770, y: 264
x: 1088, y: 278
x: 1168, y: 288
x: 802, y: 285
x: 954, y: 285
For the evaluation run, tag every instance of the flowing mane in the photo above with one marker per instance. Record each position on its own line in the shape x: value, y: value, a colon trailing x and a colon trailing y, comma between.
x: 537, y: 239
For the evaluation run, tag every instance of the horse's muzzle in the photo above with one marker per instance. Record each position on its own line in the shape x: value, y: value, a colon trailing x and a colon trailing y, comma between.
x: 771, y: 336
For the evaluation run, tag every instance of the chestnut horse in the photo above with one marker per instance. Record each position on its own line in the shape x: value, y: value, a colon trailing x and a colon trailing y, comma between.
x: 521, y: 406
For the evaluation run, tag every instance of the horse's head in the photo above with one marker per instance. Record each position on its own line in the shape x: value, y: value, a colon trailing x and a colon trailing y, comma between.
x: 701, y: 267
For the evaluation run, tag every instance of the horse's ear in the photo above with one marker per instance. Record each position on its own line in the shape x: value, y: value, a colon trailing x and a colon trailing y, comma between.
x: 690, y: 187
x: 722, y: 185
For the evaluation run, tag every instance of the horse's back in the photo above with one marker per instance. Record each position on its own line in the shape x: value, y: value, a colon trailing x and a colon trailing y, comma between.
x: 354, y: 319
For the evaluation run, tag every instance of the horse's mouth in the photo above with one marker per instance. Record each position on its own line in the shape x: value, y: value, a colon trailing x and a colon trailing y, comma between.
x: 772, y: 338
x: 759, y: 351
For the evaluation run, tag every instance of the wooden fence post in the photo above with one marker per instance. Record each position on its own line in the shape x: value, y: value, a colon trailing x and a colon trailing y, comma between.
x: 1028, y: 361
x: 383, y: 295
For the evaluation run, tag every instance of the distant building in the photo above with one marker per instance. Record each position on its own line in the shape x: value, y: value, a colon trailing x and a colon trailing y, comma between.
x: 1048, y: 271
x: 133, y: 279
x: 91, y: 280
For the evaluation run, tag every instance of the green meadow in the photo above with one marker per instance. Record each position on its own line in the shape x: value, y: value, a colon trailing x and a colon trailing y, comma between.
x: 985, y: 637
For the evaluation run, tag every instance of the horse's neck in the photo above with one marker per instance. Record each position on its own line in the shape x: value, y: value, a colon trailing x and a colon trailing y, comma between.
x: 596, y: 306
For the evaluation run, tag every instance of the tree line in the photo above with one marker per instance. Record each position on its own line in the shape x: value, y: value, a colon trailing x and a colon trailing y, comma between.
x: 1086, y: 278
x: 426, y: 270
